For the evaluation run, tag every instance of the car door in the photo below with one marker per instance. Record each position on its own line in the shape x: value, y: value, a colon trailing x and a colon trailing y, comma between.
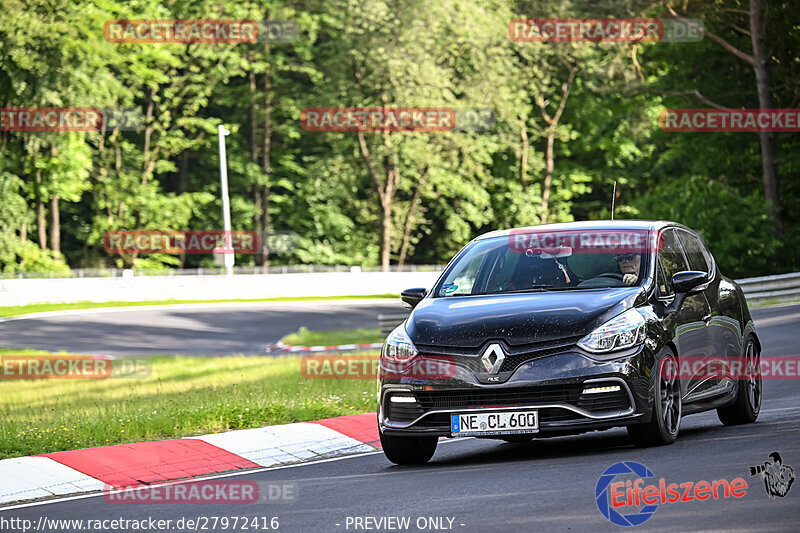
x: 723, y: 326
x: 689, y: 324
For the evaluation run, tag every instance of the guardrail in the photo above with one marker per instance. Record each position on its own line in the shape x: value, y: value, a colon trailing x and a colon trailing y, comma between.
x: 350, y: 282
x: 390, y: 321
x: 144, y: 288
x: 779, y: 288
x: 782, y: 287
x: 212, y: 271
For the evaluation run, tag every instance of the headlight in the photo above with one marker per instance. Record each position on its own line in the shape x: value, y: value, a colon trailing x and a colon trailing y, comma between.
x: 623, y: 331
x: 398, y: 346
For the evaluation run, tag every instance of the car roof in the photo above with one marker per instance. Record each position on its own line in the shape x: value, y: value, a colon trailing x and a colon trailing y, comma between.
x: 588, y: 224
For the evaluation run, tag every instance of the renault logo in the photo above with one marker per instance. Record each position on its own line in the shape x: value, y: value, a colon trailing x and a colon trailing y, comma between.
x: 493, y: 358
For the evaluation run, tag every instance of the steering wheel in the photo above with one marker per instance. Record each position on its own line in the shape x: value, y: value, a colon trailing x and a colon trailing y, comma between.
x: 614, y: 275
x: 597, y: 281
x: 506, y: 285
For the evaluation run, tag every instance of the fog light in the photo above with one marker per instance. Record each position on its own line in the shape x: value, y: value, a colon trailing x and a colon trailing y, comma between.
x: 405, y: 399
x: 598, y: 390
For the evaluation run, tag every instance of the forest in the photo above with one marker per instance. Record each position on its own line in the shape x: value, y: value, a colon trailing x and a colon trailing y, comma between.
x: 574, y: 127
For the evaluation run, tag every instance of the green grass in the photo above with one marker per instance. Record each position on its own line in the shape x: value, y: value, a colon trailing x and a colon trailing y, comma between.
x: 38, y: 308
x: 304, y: 337
x: 181, y: 397
x: 769, y: 303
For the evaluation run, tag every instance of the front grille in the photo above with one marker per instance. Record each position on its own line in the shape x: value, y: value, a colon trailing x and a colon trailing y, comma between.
x: 515, y: 355
x: 454, y: 400
x: 489, y: 397
x: 547, y: 415
x: 606, y: 401
x: 551, y: 414
x: 403, y: 412
x: 513, y: 362
x: 439, y: 420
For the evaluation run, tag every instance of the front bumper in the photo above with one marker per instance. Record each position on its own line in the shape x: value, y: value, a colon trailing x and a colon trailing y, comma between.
x: 555, y: 386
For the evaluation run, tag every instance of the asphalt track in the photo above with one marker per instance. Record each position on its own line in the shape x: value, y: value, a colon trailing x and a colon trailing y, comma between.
x: 196, y: 329
x: 547, y: 485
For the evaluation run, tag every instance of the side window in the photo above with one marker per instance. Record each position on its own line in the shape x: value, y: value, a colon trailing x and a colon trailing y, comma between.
x: 662, y: 282
x: 671, y: 258
x: 694, y: 251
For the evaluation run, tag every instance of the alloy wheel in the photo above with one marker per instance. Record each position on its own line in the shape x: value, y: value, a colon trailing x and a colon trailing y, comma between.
x: 670, y: 395
x: 753, y: 376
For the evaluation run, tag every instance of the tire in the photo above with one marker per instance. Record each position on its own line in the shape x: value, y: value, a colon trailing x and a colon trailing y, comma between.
x: 745, y: 409
x: 665, y: 422
x: 517, y: 438
x: 408, y: 450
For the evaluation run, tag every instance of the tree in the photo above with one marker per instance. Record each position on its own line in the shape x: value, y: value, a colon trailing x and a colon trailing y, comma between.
x: 758, y: 60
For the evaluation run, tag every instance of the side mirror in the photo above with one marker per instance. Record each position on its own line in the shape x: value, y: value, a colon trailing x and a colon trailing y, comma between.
x: 413, y: 296
x: 684, y: 282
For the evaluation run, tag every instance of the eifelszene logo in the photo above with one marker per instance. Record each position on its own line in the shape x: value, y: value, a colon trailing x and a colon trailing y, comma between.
x: 614, y: 497
x: 778, y: 477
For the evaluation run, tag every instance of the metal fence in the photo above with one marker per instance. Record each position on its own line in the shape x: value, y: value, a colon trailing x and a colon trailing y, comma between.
x: 390, y: 321
x: 204, y: 287
x: 213, y: 271
x: 281, y: 281
x: 780, y: 288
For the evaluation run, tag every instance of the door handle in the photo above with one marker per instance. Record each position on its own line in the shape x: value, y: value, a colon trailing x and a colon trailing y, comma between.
x: 707, y: 318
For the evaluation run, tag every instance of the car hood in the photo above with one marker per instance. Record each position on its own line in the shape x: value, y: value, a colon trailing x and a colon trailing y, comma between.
x: 518, y: 319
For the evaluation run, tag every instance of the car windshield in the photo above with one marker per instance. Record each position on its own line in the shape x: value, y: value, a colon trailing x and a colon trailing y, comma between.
x: 503, y: 265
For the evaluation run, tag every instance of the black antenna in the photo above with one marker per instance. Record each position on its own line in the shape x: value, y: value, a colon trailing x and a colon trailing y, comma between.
x: 613, y: 198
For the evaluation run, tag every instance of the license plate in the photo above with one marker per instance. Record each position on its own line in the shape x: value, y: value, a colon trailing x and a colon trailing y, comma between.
x: 494, y: 423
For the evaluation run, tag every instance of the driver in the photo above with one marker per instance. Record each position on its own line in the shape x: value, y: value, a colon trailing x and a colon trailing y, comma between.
x: 629, y: 266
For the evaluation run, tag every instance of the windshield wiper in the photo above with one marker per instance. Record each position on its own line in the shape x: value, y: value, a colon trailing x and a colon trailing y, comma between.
x: 545, y: 288
x: 536, y: 288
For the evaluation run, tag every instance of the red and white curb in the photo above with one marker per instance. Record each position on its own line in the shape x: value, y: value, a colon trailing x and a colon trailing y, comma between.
x: 144, y: 463
x: 281, y: 347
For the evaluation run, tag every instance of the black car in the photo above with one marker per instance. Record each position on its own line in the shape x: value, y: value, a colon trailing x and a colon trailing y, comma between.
x: 567, y: 328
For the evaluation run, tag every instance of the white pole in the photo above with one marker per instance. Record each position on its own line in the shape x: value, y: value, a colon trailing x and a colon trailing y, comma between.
x: 226, y: 206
